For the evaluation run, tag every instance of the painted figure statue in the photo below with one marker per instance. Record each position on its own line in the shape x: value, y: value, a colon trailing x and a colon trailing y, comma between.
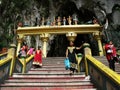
x: 59, y: 21
x: 69, y: 20
x: 64, y: 21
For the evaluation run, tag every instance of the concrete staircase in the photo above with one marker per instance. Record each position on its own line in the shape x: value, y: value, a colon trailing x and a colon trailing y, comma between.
x: 52, y: 76
x: 104, y: 61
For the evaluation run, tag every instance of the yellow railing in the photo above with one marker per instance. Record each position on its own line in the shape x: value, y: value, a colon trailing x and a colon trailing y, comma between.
x: 79, y: 58
x: 101, y: 75
x: 4, y: 61
x: 3, y: 55
x: 5, y: 65
x: 24, y: 63
x: 10, y: 64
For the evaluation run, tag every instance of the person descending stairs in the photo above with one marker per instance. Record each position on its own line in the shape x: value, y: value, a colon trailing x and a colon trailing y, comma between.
x: 103, y: 60
x: 52, y: 76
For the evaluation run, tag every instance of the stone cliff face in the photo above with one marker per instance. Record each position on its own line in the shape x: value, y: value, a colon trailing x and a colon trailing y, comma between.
x: 106, y: 11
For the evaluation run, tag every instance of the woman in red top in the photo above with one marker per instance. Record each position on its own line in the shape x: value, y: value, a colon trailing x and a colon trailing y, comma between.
x: 110, y: 54
x: 38, y: 57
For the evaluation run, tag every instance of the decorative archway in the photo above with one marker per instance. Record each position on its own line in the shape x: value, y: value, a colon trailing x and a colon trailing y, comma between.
x: 71, y: 32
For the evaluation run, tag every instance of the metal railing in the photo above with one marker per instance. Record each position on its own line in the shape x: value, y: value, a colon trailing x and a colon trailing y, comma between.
x: 10, y: 64
x: 102, y: 76
x: 23, y: 65
x: 5, y: 65
x: 3, y: 55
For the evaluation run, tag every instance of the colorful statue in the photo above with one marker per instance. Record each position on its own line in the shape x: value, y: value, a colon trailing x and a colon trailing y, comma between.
x: 20, y: 24
x: 64, y: 21
x: 59, y: 21
x: 26, y: 21
x: 54, y: 22
x: 48, y: 21
x: 75, y: 20
x: 32, y: 20
x: 43, y: 21
x: 95, y: 21
x: 69, y: 20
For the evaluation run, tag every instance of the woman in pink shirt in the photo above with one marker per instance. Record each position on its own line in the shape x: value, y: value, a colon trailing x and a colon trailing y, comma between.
x: 30, y: 51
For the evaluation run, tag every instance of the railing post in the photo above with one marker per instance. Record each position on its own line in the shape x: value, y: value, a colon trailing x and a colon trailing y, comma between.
x: 24, y: 65
x: 12, y: 54
x: 86, y: 67
x: 20, y: 40
x: 87, y: 51
x: 98, y: 38
x: 79, y: 59
x: 44, y: 37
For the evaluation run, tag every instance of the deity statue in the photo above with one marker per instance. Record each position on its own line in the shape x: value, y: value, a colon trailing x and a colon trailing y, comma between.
x: 69, y: 20
x: 95, y: 21
x: 48, y: 22
x: 20, y: 24
x: 37, y: 18
x: 54, y: 22
x: 32, y: 20
x: 26, y: 21
x: 59, y: 21
x: 64, y: 21
x: 43, y: 21
x: 75, y: 20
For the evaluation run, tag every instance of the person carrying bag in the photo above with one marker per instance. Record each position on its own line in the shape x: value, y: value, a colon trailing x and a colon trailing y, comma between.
x: 71, y: 55
x: 67, y: 63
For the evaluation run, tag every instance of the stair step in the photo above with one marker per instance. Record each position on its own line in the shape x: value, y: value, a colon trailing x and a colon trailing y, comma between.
x: 48, y: 72
x: 54, y: 58
x: 45, y: 80
x: 50, y: 88
x: 39, y: 69
x: 53, y: 73
x: 57, y: 62
x: 47, y: 64
x: 52, y: 76
x: 53, y: 66
x: 51, y: 84
x: 47, y: 76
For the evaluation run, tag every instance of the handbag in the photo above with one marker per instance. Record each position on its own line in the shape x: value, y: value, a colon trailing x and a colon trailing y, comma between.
x: 109, y: 51
x: 67, y: 64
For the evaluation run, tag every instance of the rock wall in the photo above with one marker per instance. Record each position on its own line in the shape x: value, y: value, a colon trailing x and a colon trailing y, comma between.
x: 30, y: 13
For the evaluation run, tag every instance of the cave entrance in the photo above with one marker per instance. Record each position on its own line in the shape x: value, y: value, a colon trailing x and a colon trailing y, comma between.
x: 60, y: 42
